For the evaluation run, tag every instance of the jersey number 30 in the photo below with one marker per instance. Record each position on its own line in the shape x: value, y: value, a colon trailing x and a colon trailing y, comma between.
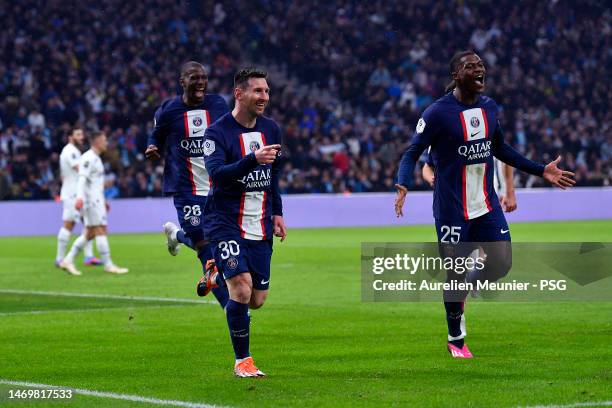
x: 229, y: 248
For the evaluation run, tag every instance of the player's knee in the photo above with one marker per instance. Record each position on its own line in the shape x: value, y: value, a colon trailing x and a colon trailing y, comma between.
x: 240, y: 288
x: 258, y: 299
x: 500, y: 268
x: 241, y: 294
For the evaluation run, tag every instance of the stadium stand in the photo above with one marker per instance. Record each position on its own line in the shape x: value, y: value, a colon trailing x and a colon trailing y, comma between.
x: 349, y: 81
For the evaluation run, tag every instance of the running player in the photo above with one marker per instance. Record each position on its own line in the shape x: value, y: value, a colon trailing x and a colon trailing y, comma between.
x: 180, y: 123
x: 69, y: 173
x: 464, y: 133
x: 90, y: 199
x: 244, y: 208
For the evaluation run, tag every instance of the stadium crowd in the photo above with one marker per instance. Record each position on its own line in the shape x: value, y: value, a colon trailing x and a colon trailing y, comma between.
x: 349, y: 80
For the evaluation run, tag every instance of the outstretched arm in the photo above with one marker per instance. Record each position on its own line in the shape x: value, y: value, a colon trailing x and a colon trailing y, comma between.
x: 560, y: 178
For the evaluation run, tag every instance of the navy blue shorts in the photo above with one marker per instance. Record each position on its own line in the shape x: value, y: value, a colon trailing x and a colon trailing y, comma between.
x: 190, y: 210
x: 241, y: 255
x: 486, y: 228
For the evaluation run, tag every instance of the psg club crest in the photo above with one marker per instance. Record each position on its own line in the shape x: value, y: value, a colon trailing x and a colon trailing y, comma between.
x: 195, y: 221
x: 254, y: 146
x: 474, y: 122
x: 232, y: 263
x: 197, y: 121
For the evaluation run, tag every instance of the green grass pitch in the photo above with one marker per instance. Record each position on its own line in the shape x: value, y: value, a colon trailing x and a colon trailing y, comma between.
x: 318, y: 343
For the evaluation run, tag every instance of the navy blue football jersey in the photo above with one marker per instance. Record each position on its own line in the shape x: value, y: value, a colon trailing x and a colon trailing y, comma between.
x: 245, y: 194
x: 179, y: 133
x: 463, y: 141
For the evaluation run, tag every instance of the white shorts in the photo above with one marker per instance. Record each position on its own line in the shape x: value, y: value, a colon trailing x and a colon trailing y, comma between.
x: 70, y: 213
x: 95, y: 214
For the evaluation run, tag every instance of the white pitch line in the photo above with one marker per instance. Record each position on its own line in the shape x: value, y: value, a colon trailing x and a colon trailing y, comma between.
x: 576, y: 404
x: 94, y: 309
x: 104, y: 296
x: 112, y: 395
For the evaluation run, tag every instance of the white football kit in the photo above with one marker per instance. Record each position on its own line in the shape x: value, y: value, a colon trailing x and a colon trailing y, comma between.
x: 69, y: 161
x: 499, y: 178
x: 90, y: 188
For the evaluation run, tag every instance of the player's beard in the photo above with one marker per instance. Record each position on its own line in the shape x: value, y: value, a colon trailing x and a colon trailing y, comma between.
x: 255, y: 109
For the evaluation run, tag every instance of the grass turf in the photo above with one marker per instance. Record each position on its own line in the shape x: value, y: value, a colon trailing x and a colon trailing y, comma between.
x: 319, y: 344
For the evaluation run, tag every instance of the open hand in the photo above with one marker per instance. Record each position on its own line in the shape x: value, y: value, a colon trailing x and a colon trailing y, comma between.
x: 400, y: 199
x: 560, y: 178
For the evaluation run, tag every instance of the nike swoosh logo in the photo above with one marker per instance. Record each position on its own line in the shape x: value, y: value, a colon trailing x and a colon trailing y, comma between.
x: 474, y: 134
x: 195, y: 132
x: 503, y: 231
x: 263, y: 282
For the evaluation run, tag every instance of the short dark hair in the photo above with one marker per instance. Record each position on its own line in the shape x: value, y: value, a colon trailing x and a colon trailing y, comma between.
x: 75, y: 128
x: 242, y: 77
x: 454, y: 65
x: 94, y: 135
x: 189, y: 65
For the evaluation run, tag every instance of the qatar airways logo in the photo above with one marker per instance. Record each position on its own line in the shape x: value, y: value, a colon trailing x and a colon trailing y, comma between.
x: 257, y: 179
x: 475, y: 151
x: 194, y: 145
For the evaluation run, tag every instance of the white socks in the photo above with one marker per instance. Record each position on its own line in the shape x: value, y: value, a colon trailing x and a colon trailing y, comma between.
x: 103, y: 249
x: 88, y: 250
x: 63, y: 236
x: 77, y: 246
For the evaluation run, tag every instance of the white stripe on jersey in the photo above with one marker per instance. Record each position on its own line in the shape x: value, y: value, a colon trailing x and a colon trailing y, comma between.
x: 251, y: 215
x: 475, y: 198
x: 196, y: 122
x: 253, y: 203
x: 474, y: 180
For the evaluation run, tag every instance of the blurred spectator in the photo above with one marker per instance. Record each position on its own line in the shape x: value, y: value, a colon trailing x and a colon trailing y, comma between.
x: 349, y: 81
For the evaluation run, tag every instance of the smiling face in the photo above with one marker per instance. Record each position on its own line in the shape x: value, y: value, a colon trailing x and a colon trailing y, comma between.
x: 194, y: 82
x: 470, y: 74
x: 254, y: 96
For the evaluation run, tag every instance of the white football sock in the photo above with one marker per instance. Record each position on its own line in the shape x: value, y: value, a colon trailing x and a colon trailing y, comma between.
x: 77, y: 246
x: 63, y: 236
x: 103, y: 249
x: 88, y: 250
